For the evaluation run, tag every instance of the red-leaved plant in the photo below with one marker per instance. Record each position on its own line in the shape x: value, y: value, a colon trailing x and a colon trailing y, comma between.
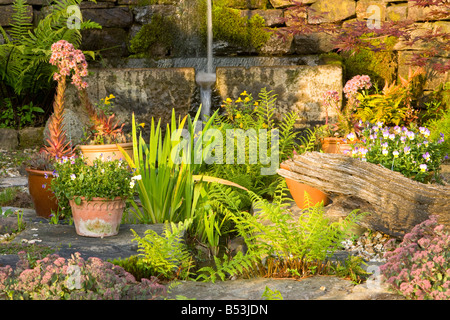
x: 419, y: 267
x: 56, y: 278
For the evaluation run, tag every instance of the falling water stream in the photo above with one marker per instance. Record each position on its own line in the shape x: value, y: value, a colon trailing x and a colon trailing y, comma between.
x: 206, y: 79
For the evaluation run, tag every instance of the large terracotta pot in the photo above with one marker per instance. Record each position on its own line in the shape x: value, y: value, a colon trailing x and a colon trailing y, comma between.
x: 298, y: 190
x: 91, y: 152
x: 336, y: 145
x: 98, y: 217
x: 43, y: 198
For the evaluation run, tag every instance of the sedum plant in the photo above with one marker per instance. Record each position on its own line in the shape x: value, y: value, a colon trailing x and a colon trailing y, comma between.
x: 57, y: 278
x: 418, y: 267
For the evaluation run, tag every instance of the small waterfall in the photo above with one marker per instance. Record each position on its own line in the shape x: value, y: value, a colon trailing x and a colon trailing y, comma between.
x: 206, y: 79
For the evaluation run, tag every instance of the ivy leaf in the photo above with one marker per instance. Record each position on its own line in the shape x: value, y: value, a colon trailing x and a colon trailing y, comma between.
x: 77, y: 201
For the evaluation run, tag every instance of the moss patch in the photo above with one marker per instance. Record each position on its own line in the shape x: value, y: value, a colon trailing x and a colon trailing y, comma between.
x: 228, y: 25
x: 154, y: 39
x: 381, y: 66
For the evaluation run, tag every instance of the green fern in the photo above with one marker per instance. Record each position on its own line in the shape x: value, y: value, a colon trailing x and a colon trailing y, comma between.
x: 24, y: 59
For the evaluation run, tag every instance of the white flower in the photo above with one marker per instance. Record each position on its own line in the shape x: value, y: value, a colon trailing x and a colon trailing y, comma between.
x: 139, y: 177
x: 132, y: 184
x: 73, y: 176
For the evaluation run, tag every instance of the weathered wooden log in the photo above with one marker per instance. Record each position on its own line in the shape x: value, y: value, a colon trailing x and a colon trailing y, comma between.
x: 394, y: 202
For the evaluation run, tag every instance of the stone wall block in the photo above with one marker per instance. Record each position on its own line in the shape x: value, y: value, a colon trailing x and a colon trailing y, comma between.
x: 331, y: 11
x: 397, y: 12
x: 117, y: 17
x: 7, y: 11
x: 272, y: 17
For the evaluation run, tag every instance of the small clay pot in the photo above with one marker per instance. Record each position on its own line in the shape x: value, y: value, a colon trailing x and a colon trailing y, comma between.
x: 336, y: 145
x: 98, y: 217
x: 42, y: 196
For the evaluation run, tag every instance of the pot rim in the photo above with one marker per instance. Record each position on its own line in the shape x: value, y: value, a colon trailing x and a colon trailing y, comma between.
x: 103, y: 147
x: 38, y: 172
x: 100, y: 199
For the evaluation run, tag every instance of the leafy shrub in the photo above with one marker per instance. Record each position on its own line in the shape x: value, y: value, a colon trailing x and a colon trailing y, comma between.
x: 408, y: 151
x: 55, y: 278
x: 164, y: 255
x: 278, y: 244
x: 419, y: 266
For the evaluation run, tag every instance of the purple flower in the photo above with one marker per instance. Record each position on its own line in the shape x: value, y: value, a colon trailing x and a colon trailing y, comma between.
x: 423, y: 167
x: 44, y: 186
x: 406, y: 150
x: 45, y: 176
x: 426, y: 156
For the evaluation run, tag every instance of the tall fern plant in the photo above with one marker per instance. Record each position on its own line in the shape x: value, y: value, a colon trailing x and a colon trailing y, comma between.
x: 24, y: 69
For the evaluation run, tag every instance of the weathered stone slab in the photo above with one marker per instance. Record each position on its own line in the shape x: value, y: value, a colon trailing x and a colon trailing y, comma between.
x: 371, y: 9
x: 417, y: 13
x: 31, y: 137
x: 9, y: 139
x: 7, y: 11
x: 299, y: 88
x: 312, y: 43
x: 277, y: 45
x: 247, y: 4
x: 143, y: 14
x: 146, y: 92
x: 118, y: 17
x: 272, y: 17
x: 397, y: 12
x: 331, y: 11
x: 287, y: 3
x: 112, y: 41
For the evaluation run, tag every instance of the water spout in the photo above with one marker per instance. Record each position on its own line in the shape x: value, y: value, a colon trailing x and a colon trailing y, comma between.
x: 206, y: 79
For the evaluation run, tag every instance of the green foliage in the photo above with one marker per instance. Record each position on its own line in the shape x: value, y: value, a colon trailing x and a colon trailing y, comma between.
x: 167, y: 190
x: 273, y: 234
x: 24, y: 68
x: 351, y: 268
x: 246, y: 114
x: 228, y: 25
x: 380, y: 66
x: 410, y: 152
x: 106, y: 178
x: 164, y: 255
x: 26, y: 114
x: 158, y: 32
x: 270, y: 294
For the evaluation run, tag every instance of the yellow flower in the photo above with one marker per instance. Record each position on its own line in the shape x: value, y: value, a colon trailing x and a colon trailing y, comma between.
x: 111, y: 96
x: 256, y: 103
x: 239, y: 100
x: 142, y: 124
x: 244, y: 93
x: 228, y: 100
x: 247, y: 99
x: 241, y: 125
x: 238, y: 116
x: 264, y: 126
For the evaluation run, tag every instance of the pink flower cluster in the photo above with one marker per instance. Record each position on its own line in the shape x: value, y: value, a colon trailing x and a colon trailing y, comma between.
x: 69, y: 62
x: 51, y: 277
x: 356, y: 83
x: 330, y: 98
x: 419, y: 268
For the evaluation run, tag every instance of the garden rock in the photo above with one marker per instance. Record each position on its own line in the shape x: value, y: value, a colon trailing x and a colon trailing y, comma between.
x: 9, y: 139
x: 31, y: 137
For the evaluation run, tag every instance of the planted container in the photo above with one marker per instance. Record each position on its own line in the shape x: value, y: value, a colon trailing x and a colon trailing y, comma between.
x: 92, y: 152
x: 98, y: 217
x: 42, y: 196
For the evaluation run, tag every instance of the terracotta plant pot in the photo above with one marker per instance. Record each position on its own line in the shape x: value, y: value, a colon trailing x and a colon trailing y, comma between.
x: 298, y: 190
x: 43, y: 198
x: 336, y: 145
x: 98, y: 217
x: 91, y: 152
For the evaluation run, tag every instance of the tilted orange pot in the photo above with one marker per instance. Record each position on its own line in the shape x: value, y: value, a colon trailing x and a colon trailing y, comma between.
x: 298, y: 190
